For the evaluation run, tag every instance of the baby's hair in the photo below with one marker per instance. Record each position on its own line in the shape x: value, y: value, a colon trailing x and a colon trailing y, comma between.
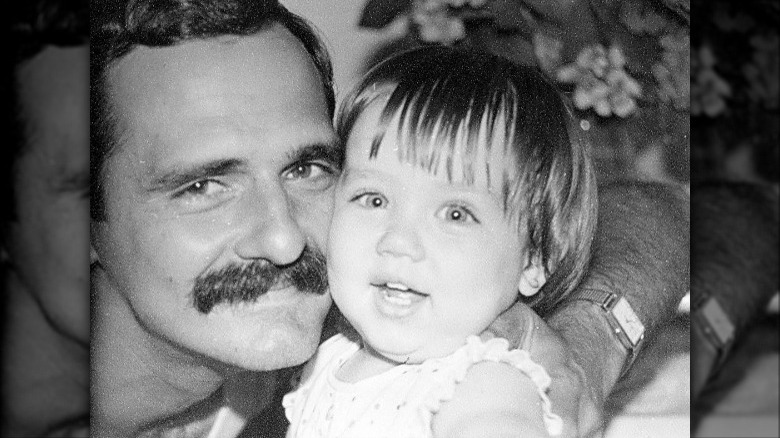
x: 455, y: 101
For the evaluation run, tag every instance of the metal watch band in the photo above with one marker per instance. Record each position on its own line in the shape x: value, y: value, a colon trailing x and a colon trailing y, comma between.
x: 621, y: 318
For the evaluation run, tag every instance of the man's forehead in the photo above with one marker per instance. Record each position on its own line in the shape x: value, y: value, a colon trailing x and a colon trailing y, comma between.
x: 223, y: 93
x: 271, y: 62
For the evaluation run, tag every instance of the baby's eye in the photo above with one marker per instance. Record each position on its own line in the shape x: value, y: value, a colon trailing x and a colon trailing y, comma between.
x: 458, y: 214
x: 371, y: 200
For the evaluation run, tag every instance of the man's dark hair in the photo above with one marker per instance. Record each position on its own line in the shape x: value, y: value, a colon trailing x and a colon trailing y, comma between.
x: 119, y: 26
x: 33, y: 25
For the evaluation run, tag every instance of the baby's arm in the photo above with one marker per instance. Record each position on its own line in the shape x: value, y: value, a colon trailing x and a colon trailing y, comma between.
x: 494, y: 400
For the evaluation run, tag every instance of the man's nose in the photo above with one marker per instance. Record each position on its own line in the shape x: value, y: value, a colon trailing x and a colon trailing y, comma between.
x: 401, y: 239
x: 272, y: 232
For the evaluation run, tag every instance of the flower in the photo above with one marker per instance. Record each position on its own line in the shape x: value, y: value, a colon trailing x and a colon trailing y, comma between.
x: 436, y: 22
x: 708, y: 89
x: 601, y: 81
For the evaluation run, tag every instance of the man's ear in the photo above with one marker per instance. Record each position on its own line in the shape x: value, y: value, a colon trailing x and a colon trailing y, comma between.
x: 532, y: 279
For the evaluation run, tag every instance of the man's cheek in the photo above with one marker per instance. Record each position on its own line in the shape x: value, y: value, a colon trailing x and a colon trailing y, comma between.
x: 315, y: 219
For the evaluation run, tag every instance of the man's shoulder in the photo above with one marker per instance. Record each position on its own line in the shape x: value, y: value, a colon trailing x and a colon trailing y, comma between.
x: 197, y: 421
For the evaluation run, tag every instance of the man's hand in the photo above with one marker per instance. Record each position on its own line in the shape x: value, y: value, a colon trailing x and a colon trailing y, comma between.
x: 571, y: 399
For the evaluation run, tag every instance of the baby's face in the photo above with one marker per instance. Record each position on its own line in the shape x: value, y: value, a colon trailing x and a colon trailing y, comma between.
x: 417, y: 263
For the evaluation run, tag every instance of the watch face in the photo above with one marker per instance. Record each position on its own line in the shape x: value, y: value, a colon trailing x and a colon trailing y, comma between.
x: 628, y: 321
x: 718, y: 320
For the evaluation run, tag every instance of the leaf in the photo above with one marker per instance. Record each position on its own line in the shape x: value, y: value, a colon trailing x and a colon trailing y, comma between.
x: 681, y: 8
x: 509, y: 15
x: 379, y: 13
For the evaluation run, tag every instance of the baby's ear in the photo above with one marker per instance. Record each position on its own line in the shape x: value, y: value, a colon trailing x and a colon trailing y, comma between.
x: 532, y: 279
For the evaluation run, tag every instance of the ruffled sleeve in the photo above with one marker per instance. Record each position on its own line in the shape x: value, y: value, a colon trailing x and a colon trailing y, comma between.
x: 330, y: 350
x: 450, y: 371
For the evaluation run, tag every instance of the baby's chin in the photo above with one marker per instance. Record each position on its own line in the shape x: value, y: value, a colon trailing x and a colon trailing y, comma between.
x: 416, y: 355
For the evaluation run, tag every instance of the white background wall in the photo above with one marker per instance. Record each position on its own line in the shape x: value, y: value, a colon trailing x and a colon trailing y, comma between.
x: 348, y: 45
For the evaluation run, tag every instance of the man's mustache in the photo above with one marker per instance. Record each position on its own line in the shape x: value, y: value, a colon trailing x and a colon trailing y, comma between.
x: 245, y: 283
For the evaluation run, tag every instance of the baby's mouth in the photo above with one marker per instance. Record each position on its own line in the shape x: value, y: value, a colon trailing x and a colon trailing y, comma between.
x: 400, y: 294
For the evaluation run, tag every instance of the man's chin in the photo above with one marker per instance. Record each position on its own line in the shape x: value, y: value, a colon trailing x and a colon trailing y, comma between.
x: 277, y: 350
x: 272, y: 334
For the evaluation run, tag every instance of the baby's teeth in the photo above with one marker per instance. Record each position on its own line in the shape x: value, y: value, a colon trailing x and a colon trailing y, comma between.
x: 398, y: 299
x: 397, y: 286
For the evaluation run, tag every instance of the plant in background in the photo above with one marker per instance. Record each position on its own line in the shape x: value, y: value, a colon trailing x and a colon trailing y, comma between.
x: 623, y: 64
x: 762, y: 72
x: 673, y: 72
x: 594, y: 68
x: 634, y: 70
x: 734, y: 88
x: 436, y: 24
x: 601, y: 82
x: 709, y: 89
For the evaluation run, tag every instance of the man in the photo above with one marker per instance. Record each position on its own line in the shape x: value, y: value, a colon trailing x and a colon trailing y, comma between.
x: 213, y: 164
x: 45, y: 167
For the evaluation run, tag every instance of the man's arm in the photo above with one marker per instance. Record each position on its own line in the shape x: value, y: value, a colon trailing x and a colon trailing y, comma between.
x: 734, y: 259
x: 640, y: 252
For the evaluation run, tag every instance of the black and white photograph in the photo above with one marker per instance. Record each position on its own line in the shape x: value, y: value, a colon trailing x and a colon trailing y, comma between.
x: 391, y: 218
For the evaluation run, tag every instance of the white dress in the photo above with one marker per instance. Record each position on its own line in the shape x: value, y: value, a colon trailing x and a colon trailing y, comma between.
x: 398, y: 403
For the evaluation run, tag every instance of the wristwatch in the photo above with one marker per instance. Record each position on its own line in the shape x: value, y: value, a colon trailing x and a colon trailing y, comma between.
x: 718, y: 329
x: 621, y: 318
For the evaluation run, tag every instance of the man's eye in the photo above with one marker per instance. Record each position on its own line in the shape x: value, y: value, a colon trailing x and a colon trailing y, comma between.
x: 371, y: 200
x: 457, y: 213
x: 308, y: 171
x: 311, y: 176
x: 201, y: 188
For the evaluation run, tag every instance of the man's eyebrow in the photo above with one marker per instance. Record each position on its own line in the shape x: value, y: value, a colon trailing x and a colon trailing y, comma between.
x: 332, y: 153
x: 180, y: 176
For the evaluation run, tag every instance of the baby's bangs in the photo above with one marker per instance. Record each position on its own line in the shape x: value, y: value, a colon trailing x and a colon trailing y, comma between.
x: 455, y: 116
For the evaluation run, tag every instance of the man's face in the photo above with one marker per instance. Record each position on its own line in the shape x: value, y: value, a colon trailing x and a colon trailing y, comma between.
x: 226, y: 158
x: 51, y: 185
